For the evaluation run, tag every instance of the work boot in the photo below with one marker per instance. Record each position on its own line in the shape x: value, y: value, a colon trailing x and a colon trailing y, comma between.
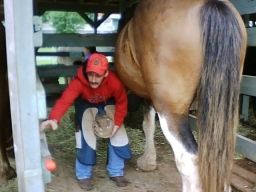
x: 85, y: 184
x: 120, y: 181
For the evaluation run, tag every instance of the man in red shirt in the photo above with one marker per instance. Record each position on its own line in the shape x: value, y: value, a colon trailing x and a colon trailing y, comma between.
x: 95, y: 90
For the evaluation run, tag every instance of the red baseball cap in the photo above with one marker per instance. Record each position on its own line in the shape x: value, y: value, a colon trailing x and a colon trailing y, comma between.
x: 97, y: 63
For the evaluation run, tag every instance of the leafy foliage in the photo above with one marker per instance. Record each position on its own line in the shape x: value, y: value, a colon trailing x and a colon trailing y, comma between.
x: 64, y: 22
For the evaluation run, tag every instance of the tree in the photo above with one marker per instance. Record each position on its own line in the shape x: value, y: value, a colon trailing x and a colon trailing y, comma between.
x: 64, y: 22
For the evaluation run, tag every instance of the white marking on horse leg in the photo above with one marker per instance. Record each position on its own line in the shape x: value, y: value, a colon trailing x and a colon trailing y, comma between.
x: 147, y: 161
x: 185, y: 162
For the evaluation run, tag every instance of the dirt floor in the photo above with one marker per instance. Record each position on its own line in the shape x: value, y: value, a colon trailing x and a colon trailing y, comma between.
x: 165, y: 178
x: 64, y: 179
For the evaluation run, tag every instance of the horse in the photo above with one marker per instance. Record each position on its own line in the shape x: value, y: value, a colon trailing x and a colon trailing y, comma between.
x: 171, y: 52
x: 6, y: 171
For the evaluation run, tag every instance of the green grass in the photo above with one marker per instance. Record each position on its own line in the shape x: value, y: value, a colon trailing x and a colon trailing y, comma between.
x: 46, y: 60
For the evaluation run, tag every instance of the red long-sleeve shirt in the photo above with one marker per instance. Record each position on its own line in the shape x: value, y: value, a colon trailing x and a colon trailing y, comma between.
x: 111, y: 86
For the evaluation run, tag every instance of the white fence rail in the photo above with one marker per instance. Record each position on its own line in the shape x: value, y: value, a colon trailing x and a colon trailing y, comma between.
x: 244, y: 146
x: 248, y: 88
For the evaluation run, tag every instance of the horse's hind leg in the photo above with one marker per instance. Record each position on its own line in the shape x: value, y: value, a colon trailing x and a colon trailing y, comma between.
x: 6, y: 171
x: 147, y: 161
x: 184, y: 147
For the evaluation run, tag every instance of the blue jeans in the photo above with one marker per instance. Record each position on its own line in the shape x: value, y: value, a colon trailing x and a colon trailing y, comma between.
x: 115, y: 166
x: 86, y: 156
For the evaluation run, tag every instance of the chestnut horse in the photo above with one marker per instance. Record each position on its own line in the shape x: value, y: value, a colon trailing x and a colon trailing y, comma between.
x: 6, y: 171
x: 171, y: 52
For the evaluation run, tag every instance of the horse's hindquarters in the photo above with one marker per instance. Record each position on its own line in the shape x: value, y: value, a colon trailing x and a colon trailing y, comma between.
x: 169, y: 52
x: 126, y: 64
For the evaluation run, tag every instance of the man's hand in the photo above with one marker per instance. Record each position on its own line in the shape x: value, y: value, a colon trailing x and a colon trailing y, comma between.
x: 114, y: 131
x: 51, y: 123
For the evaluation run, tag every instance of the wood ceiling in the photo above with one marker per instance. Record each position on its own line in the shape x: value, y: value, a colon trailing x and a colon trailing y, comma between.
x: 96, y: 6
x: 89, y: 6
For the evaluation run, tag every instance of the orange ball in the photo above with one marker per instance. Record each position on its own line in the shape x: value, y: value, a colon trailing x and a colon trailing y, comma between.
x: 50, y: 164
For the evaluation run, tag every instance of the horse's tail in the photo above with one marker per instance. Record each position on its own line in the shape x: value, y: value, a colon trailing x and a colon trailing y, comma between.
x: 218, y: 93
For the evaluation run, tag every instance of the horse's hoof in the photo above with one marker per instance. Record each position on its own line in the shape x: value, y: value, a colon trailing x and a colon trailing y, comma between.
x: 145, y: 165
x: 8, y: 175
x: 2, y: 181
x: 11, y: 173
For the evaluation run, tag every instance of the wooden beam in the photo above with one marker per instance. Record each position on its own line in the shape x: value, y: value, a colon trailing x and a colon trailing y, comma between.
x: 86, y: 18
x: 100, y: 21
x: 131, y: 2
x: 78, y: 40
x: 23, y: 99
x: 75, y: 7
x: 245, y: 107
x: 247, y: 89
x: 95, y: 18
x: 94, y: 23
x: 248, y: 85
x: 246, y: 20
x: 105, y: 2
x: 68, y: 54
x: 244, y: 6
x: 54, y: 88
x: 60, y: 70
x: 246, y: 147
x: 251, y: 33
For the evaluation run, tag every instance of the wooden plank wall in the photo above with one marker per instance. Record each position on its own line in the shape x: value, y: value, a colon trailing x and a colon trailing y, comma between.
x: 246, y: 7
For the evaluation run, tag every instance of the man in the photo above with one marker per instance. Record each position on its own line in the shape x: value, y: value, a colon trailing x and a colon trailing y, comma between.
x: 97, y: 91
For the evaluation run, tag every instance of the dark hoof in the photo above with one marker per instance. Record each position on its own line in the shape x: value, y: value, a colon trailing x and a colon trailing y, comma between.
x: 8, y: 175
x: 11, y: 173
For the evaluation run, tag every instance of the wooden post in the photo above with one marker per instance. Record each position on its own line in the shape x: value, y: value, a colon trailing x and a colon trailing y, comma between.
x: 95, y: 15
x: 22, y: 89
x: 245, y: 107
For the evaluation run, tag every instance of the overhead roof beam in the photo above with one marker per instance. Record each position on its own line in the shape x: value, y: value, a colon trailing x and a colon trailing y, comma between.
x: 105, y: 16
x: 96, y: 23
x: 87, y: 19
x: 75, y: 7
x: 131, y: 2
x: 105, y: 2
